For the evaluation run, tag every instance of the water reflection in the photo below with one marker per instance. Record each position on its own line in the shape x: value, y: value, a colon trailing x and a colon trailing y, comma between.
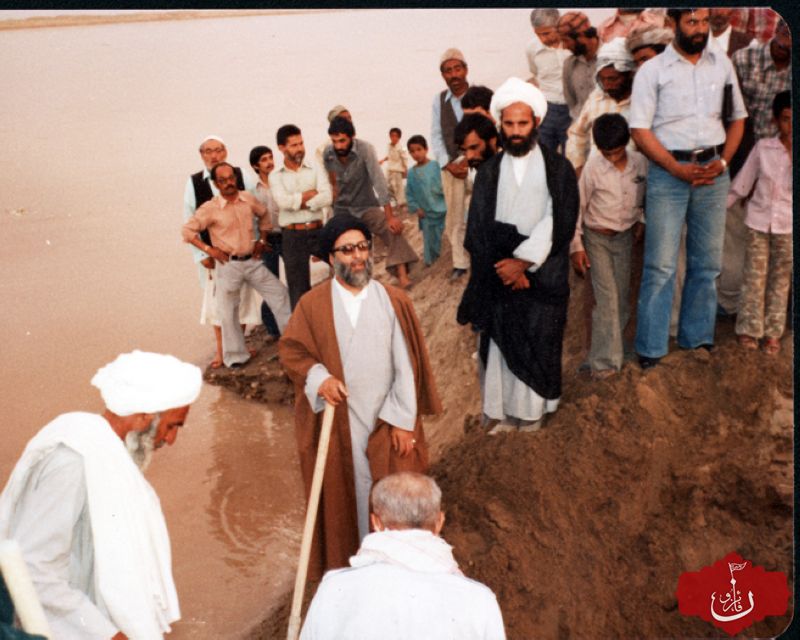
x: 256, y: 499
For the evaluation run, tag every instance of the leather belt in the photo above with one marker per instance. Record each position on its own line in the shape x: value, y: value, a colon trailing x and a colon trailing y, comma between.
x: 304, y: 226
x: 242, y: 258
x: 702, y: 154
x: 603, y: 231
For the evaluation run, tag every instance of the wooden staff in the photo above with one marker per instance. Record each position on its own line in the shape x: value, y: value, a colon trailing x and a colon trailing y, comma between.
x: 21, y: 589
x: 311, y: 518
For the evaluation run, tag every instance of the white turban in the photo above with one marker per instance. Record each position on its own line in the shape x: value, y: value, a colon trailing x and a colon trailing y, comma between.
x: 516, y: 90
x: 142, y: 382
x: 615, y: 52
x: 209, y: 138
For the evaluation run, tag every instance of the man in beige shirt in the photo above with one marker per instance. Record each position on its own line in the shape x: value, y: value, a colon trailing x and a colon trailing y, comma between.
x: 229, y: 219
x: 301, y: 192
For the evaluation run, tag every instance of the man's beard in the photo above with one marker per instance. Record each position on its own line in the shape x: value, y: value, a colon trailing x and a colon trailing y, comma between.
x: 344, y: 152
x: 689, y: 44
x: 297, y: 158
x: 518, y: 145
x: 358, y: 279
x: 487, y: 153
x: 140, y: 444
x: 623, y: 90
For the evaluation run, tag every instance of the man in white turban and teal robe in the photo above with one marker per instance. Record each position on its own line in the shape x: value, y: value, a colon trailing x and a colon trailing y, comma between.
x: 522, y: 216
x: 88, y: 523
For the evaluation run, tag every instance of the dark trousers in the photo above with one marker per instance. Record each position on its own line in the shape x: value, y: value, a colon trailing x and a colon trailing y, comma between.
x: 298, y: 246
x: 553, y: 129
x: 270, y: 260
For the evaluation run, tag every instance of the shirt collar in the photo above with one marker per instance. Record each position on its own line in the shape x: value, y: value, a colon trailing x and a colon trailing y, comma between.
x: 223, y: 202
x: 303, y: 165
x: 671, y: 55
x: 360, y: 296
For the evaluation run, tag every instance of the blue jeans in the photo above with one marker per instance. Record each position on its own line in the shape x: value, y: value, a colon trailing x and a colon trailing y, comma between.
x: 669, y: 203
x: 553, y: 129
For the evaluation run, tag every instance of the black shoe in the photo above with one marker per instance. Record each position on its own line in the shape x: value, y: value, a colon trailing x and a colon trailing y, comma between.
x: 456, y: 274
x: 648, y: 363
x: 708, y: 347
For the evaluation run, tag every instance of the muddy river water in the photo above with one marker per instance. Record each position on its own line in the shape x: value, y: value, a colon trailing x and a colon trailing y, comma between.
x: 99, y: 128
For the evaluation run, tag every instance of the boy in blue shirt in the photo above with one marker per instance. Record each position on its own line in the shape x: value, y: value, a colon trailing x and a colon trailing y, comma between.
x: 426, y: 197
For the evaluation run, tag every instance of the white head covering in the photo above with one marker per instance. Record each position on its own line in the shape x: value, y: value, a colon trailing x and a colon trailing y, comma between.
x: 616, y: 53
x: 142, y: 382
x: 217, y: 138
x: 516, y: 90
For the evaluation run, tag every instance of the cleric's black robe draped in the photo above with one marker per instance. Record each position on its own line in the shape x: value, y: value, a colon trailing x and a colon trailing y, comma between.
x: 527, y: 325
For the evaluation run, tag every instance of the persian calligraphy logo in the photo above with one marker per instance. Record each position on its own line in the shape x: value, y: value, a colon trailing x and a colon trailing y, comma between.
x: 732, y: 594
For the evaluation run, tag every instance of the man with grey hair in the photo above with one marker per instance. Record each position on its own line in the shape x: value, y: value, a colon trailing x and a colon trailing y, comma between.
x: 89, y: 524
x: 403, y: 582
x: 546, y: 56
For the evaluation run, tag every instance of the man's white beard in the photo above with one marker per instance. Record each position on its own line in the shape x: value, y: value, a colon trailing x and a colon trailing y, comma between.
x: 140, y: 444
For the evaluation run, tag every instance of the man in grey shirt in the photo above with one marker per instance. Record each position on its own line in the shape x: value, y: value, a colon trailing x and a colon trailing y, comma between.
x: 580, y: 37
x: 360, y: 189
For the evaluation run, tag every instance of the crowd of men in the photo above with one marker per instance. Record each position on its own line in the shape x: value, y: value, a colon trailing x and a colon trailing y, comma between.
x: 629, y: 130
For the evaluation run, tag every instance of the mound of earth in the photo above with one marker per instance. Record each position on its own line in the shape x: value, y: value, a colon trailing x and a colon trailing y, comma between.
x: 583, y: 528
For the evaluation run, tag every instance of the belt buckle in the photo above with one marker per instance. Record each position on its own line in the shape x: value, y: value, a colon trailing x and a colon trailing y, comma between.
x: 696, y: 153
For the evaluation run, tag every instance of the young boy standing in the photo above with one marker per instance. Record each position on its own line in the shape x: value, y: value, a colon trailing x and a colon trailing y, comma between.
x: 397, y: 169
x: 612, y: 194
x: 426, y: 197
x: 768, y: 261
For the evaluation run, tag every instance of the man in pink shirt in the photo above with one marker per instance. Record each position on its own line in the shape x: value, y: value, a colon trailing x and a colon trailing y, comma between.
x: 229, y: 219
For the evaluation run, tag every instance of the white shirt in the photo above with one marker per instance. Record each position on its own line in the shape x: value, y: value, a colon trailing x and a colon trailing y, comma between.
x: 547, y: 66
x: 403, y: 585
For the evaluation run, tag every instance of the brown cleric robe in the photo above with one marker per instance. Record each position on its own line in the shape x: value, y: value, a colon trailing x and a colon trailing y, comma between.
x: 309, y: 339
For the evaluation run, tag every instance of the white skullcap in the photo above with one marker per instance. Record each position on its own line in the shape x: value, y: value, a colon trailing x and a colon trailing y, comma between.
x: 516, y: 90
x: 217, y: 138
x: 142, y: 382
x: 615, y: 52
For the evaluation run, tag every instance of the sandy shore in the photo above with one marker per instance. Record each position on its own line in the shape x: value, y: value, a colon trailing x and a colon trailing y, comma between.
x: 113, y: 18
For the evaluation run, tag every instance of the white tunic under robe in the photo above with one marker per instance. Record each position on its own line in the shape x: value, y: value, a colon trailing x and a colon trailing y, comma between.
x: 378, y: 376
x: 524, y: 201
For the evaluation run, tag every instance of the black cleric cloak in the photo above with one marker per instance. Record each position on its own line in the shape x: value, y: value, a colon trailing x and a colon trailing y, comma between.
x: 527, y: 325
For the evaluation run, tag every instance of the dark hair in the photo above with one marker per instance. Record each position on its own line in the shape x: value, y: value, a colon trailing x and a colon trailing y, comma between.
x: 341, y: 125
x: 478, y: 123
x: 589, y: 32
x: 783, y: 100
x: 610, y: 131
x: 397, y: 131
x: 217, y: 166
x: 477, y: 96
x: 256, y: 153
x: 675, y: 14
x: 418, y: 139
x: 286, y: 132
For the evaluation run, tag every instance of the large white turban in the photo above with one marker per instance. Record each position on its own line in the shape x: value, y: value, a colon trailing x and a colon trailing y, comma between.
x: 142, y: 382
x: 516, y: 90
x: 615, y: 52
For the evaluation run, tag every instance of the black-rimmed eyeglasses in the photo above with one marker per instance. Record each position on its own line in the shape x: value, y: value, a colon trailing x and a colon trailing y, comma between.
x: 347, y: 249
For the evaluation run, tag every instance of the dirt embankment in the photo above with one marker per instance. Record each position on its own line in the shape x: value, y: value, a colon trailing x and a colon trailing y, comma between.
x: 583, y: 528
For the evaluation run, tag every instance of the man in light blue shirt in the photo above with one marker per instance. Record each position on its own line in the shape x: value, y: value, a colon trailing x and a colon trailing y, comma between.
x: 676, y: 120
